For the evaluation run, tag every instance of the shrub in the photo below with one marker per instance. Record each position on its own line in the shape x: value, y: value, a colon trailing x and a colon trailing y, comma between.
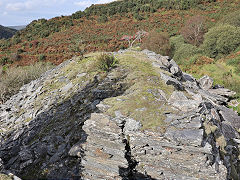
x: 15, y: 77
x: 193, y: 30
x: 4, y: 60
x: 184, y: 52
x: 157, y: 42
x: 42, y: 57
x: 19, y: 51
x: 221, y: 40
x: 232, y: 19
x: 15, y: 57
x: 175, y: 43
x: 102, y: 19
x: 138, y: 16
x: 106, y: 62
x: 236, y: 63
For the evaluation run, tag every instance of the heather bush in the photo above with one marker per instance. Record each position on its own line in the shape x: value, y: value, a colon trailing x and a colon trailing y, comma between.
x: 221, y: 40
x: 157, y: 42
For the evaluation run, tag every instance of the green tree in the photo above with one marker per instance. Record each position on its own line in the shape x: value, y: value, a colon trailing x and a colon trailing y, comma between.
x: 221, y: 40
x: 103, y: 18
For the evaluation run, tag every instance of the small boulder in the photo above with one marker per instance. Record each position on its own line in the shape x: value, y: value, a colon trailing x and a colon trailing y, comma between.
x: 131, y: 125
x: 177, y: 96
x: 174, y: 69
x: 1, y: 165
x: 222, y: 92
x: 205, y: 82
x: 165, y: 62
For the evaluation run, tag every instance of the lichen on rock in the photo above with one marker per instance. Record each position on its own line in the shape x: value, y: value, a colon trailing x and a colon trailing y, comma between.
x: 143, y: 119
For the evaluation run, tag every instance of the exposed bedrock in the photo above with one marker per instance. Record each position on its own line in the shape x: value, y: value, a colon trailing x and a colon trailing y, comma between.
x: 76, y: 124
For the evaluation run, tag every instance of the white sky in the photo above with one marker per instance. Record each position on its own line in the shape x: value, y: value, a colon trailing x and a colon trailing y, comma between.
x: 22, y: 12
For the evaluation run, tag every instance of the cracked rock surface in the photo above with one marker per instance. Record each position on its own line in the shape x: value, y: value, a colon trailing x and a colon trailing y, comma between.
x: 76, y: 123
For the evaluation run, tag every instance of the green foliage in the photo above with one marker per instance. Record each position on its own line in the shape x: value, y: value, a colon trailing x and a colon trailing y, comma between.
x: 176, y: 42
x: 138, y: 16
x: 182, y: 51
x: 77, y: 46
x: 102, y: 19
x: 4, y: 60
x: 232, y: 19
x: 221, y: 40
x: 6, y: 32
x: 236, y: 63
x: 136, y: 6
x: 42, y: 57
x: 15, y: 40
x: 4, y: 43
x: 106, y: 62
x: 4, y: 69
x: 43, y: 28
x: 185, y: 51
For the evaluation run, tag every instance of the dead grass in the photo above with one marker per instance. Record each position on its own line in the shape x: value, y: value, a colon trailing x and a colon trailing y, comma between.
x: 13, y: 78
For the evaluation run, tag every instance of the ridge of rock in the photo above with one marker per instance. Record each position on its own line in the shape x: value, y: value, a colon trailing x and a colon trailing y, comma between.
x: 74, y: 123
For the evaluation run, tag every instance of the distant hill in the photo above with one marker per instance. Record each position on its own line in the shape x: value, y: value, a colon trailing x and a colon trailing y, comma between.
x: 6, y: 32
x: 101, y: 27
x: 17, y: 27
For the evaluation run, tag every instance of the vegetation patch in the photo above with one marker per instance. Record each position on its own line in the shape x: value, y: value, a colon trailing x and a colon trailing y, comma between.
x: 13, y: 78
x: 221, y: 40
x: 144, y: 100
x: 157, y: 42
x: 106, y: 62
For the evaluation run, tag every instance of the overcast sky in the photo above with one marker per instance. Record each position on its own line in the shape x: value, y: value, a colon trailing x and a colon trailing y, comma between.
x: 22, y: 12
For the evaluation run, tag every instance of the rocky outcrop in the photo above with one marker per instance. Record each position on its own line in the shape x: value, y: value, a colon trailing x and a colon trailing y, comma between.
x: 62, y: 125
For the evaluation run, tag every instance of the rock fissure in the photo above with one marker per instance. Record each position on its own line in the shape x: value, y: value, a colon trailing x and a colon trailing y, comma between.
x: 71, y: 124
x: 40, y: 149
x: 132, y: 163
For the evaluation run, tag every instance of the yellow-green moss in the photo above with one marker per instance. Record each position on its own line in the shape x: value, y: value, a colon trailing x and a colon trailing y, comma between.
x: 70, y: 72
x: 221, y: 142
x: 5, y: 177
x: 28, y: 119
x: 138, y: 101
x: 209, y: 128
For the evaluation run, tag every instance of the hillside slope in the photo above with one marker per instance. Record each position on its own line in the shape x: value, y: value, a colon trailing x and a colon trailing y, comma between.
x: 6, y: 32
x: 101, y: 27
x: 142, y: 119
x: 17, y: 27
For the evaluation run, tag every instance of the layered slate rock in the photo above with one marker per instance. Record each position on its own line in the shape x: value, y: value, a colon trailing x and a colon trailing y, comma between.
x: 71, y: 124
x: 40, y: 124
x: 104, y: 150
x: 208, y: 124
